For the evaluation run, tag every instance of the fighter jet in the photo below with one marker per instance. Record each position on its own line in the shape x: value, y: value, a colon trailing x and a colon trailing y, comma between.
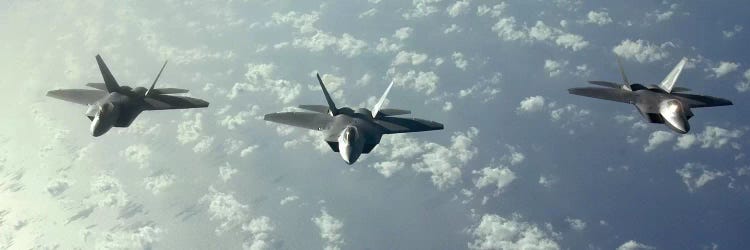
x: 663, y: 103
x: 353, y: 132
x: 111, y: 105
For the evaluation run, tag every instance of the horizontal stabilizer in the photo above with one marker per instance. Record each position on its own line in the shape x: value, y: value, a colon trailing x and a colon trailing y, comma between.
x: 315, y: 108
x: 606, y: 84
x: 167, y: 91
x: 702, y: 101
x: 680, y: 89
x: 97, y: 85
x: 392, y: 112
x: 79, y: 96
x: 162, y: 102
x: 314, y: 121
x: 618, y: 95
x: 395, y: 125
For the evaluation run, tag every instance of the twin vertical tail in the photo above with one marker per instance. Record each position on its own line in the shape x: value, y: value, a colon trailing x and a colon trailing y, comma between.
x: 109, y: 79
x: 668, y: 83
x: 379, y: 105
x: 331, y: 106
x: 151, y: 89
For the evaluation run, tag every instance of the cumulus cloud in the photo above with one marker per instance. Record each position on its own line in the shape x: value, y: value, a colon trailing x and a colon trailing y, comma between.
x: 108, y: 192
x: 744, y: 86
x: 531, y: 104
x: 641, y: 50
x: 157, y: 183
x: 554, y: 68
x: 634, y: 245
x: 260, y: 229
x: 141, y: 238
x: 444, y: 163
x: 495, y: 232
x: 314, y: 39
x: 710, y: 137
x: 600, y: 18
x: 494, y: 11
x: 458, y: 8
x: 413, y: 58
x: 657, y: 138
x: 459, y: 60
x: 732, y: 32
x: 576, y: 224
x: 486, y: 89
x: 260, y: 78
x: 499, y: 177
x: 696, y: 175
x: 138, y: 154
x: 724, y: 68
x: 223, y: 207
x: 421, y: 81
x: 508, y: 30
x: 330, y: 230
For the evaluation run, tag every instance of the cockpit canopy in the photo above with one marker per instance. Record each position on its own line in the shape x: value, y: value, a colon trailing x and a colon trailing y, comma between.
x: 350, y: 134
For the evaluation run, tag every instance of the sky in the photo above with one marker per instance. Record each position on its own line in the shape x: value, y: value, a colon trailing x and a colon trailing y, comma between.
x: 521, y: 164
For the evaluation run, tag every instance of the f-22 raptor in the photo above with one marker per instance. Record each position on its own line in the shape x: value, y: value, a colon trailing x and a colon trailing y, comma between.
x: 663, y: 103
x: 353, y: 132
x: 112, y: 105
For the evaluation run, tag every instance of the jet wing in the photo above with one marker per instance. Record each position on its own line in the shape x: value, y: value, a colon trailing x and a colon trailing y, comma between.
x: 162, y: 102
x: 80, y: 96
x: 617, y: 95
x: 315, y: 121
x: 701, y: 101
x: 395, y: 125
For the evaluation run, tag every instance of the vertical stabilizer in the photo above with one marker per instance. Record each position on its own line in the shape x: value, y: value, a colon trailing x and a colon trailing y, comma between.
x: 668, y: 83
x: 109, y: 80
x: 381, y: 101
x: 331, y: 106
x: 622, y: 72
x: 151, y: 89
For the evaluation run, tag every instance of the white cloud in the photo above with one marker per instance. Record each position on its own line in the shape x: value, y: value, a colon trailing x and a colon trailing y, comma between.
x: 657, y: 138
x: 368, y: 13
x: 314, y: 39
x: 507, y: 30
x: 495, y: 11
x: 576, y: 224
x: 226, y: 171
x: 403, y: 33
x: 500, y: 177
x: 260, y: 228
x: 330, y: 230
x: 531, y: 104
x: 696, y: 175
x: 138, y: 154
x: 710, y: 137
x: 412, y: 58
x: 554, y: 68
x: 634, y: 245
x: 744, y: 86
x: 388, y: 168
x: 141, y: 238
x: 157, y: 183
x: 641, y: 51
x: 259, y: 78
x: 288, y: 199
x: 458, y: 8
x: 724, y: 68
x: 108, y: 192
x: 734, y: 31
x: 495, y: 232
x: 600, y: 18
x: 224, y: 208
x: 452, y: 28
x: 459, y: 60
x: 444, y: 163
x: 420, y: 81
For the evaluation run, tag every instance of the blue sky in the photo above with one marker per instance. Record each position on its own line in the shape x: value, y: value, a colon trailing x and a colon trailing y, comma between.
x: 521, y: 164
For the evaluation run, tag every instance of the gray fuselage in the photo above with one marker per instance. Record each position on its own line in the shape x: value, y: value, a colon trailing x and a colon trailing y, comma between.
x: 352, y: 133
x: 658, y: 106
x: 115, y: 110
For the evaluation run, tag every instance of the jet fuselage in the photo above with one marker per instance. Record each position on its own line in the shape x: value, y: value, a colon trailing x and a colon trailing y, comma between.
x: 355, y: 132
x: 114, y: 110
x: 658, y: 106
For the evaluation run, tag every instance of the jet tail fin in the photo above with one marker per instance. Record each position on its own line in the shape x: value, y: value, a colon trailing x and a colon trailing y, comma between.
x: 109, y: 79
x: 331, y: 105
x: 668, y: 83
x: 622, y: 72
x: 151, y: 89
x: 378, y: 105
